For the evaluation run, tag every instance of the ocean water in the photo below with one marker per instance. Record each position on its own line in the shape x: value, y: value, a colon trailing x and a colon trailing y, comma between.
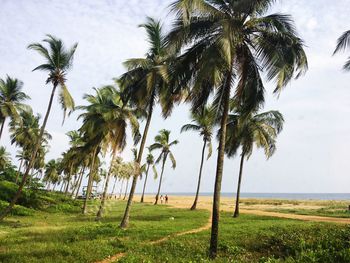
x: 288, y: 196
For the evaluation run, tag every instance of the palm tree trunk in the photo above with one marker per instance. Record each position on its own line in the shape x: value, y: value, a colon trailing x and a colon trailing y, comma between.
x: 80, y: 180
x: 100, y: 210
x: 19, y: 170
x: 61, y: 186
x: 2, y: 127
x: 32, y: 159
x: 236, y: 213
x: 194, y: 206
x: 121, y: 189
x: 69, y: 178
x: 114, y: 184
x: 144, y: 185
x: 125, y: 221
x: 126, y: 189
x: 89, y: 186
x: 160, y: 180
x: 219, y: 170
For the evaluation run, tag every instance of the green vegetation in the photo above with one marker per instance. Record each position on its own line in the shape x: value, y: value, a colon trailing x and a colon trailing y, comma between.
x: 217, y: 56
x: 67, y: 236
x: 60, y: 233
x: 255, y: 239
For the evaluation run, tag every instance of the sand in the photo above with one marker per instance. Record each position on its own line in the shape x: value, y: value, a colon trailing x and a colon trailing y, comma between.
x: 255, y: 206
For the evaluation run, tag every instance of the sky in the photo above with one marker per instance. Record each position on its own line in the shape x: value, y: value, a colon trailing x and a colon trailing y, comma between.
x: 312, y: 151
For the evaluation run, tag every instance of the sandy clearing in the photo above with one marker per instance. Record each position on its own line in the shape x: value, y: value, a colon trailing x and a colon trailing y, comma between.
x: 227, y: 204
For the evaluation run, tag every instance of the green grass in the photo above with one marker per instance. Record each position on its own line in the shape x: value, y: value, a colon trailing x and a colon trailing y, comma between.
x: 71, y: 237
x: 255, y: 239
x: 63, y: 235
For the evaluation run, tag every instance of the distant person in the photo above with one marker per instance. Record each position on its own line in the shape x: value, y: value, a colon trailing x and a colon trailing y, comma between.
x: 166, y: 199
x: 161, y: 199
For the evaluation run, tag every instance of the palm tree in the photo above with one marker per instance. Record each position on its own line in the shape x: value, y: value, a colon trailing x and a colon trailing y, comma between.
x: 51, y: 173
x: 226, y: 43
x: 150, y: 162
x: 245, y: 130
x: 115, y: 171
x: 342, y: 44
x: 105, y: 123
x: 162, y: 142
x: 5, y: 159
x: 23, y: 132
x: 58, y: 62
x: 146, y: 83
x: 11, y: 98
x: 203, y: 122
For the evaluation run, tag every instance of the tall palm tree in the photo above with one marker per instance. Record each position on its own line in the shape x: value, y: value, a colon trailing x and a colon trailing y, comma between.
x: 145, y: 84
x: 247, y: 130
x: 149, y: 162
x: 203, y: 122
x: 11, y: 100
x: 343, y: 44
x: 227, y: 43
x: 58, y: 60
x: 162, y: 142
x: 5, y: 159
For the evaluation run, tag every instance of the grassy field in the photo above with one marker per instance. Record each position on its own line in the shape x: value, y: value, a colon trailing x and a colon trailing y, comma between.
x: 67, y: 236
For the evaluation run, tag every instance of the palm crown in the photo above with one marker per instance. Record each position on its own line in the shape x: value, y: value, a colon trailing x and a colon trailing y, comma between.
x: 146, y: 80
x: 162, y: 143
x: 11, y: 100
x: 259, y: 129
x: 203, y: 121
x: 58, y: 62
x: 232, y: 42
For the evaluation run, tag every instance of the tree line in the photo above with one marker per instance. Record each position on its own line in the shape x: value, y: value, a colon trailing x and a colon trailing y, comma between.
x: 217, y: 57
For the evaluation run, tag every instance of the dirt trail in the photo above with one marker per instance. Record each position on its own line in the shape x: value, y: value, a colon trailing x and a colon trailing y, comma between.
x: 207, y: 205
x: 118, y: 256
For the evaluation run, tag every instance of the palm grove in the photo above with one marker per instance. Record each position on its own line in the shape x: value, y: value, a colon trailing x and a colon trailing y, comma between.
x: 214, y: 58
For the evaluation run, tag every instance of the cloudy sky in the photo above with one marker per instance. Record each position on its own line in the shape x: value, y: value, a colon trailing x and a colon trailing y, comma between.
x: 312, y: 153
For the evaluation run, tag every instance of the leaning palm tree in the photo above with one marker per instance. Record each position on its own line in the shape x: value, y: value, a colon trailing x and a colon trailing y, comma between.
x: 343, y: 43
x: 227, y: 43
x: 58, y: 60
x: 203, y: 122
x: 145, y: 84
x: 5, y: 159
x: 149, y: 162
x: 247, y: 130
x: 162, y: 142
x: 11, y: 100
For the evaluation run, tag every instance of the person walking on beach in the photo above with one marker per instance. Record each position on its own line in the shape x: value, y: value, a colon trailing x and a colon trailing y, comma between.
x: 161, y: 199
x: 166, y: 199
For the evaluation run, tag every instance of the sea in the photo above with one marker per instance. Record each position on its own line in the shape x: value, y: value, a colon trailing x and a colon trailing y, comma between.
x: 287, y: 196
